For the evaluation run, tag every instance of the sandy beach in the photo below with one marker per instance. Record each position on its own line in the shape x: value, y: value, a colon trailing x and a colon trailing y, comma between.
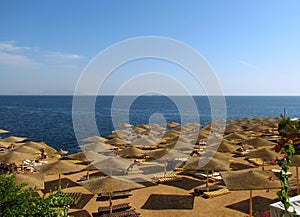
x: 176, y: 196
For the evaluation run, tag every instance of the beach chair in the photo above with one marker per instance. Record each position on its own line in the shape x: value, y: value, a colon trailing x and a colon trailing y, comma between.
x: 76, y: 196
x: 115, y: 195
x: 219, y: 192
x: 103, y: 210
x: 127, y: 213
x: 172, y: 177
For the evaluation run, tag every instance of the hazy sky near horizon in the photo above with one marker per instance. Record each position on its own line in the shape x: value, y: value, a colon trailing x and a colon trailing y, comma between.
x: 253, y: 46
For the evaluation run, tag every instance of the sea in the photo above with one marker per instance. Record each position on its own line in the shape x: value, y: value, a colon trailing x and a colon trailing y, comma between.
x: 49, y: 118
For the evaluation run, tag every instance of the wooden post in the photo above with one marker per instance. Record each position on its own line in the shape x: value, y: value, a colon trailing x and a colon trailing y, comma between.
x: 207, y: 188
x: 110, y: 203
x: 59, y: 181
x: 88, y: 174
x: 250, y: 203
x: 297, y: 174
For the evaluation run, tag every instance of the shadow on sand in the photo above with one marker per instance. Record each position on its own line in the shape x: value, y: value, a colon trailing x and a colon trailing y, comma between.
x: 167, y: 201
x: 260, y: 204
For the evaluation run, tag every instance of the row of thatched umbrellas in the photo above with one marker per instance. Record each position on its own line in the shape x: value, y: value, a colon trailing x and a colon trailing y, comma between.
x: 217, y: 163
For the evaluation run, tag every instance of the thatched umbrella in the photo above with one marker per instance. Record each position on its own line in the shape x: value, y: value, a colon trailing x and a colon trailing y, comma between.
x: 179, y: 145
x: 109, y: 185
x: 27, y: 149
x: 171, y: 156
x: 213, y: 164
x: 157, y: 153
x: 264, y: 154
x: 249, y: 180
x: 259, y: 142
x: 86, y: 156
x: 260, y: 128
x: 234, y: 136
x: 16, y: 157
x: 296, y: 162
x: 41, y: 145
x: 224, y: 147
x: 117, y: 141
x: 14, y: 139
x: 172, y: 124
x: 131, y: 152
x: 125, y: 125
x: 110, y: 164
x: 3, y: 131
x: 145, y: 142
x: 94, y: 139
x: 61, y: 152
x: 59, y: 167
x: 5, y: 144
x: 33, y: 180
x: 97, y: 147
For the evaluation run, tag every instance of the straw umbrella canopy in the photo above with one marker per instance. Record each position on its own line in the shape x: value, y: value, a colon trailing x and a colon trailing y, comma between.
x: 109, y: 185
x: 172, y: 124
x: 61, y: 152
x: 110, y: 164
x: 41, y: 145
x: 97, y: 147
x: 296, y: 162
x: 179, y: 145
x: 27, y: 150
x: 5, y: 144
x: 171, y: 134
x: 33, y: 180
x: 145, y: 142
x: 117, y: 141
x: 14, y: 139
x: 157, y: 153
x: 232, y: 128
x: 94, y: 139
x: 259, y: 142
x: 16, y: 157
x: 259, y: 128
x: 212, y: 164
x: 171, y: 156
x: 224, y: 147
x: 59, y: 167
x: 125, y: 125
x: 131, y: 152
x: 233, y: 136
x: 264, y: 154
x: 249, y: 180
x: 86, y: 156
x: 3, y: 131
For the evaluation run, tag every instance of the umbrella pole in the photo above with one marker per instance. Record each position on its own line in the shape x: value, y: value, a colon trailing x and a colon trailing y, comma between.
x: 250, y: 203
x: 110, y: 202
x: 59, y: 180
x: 207, y: 188
x: 165, y: 169
x: 88, y: 174
x: 263, y: 165
x: 297, y: 174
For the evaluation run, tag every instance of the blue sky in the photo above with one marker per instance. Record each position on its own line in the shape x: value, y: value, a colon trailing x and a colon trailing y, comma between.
x: 253, y: 46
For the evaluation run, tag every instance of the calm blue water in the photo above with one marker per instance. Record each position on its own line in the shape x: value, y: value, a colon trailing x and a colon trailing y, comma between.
x: 49, y: 118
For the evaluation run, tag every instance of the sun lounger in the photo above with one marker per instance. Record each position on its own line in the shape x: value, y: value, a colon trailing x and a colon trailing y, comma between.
x: 127, y: 213
x: 257, y: 161
x: 115, y: 209
x: 115, y: 195
x: 199, y: 191
x: 76, y: 196
x: 167, y: 178
x: 219, y: 192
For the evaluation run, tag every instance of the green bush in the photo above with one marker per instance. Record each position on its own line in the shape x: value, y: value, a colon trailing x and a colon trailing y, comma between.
x: 15, y: 200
